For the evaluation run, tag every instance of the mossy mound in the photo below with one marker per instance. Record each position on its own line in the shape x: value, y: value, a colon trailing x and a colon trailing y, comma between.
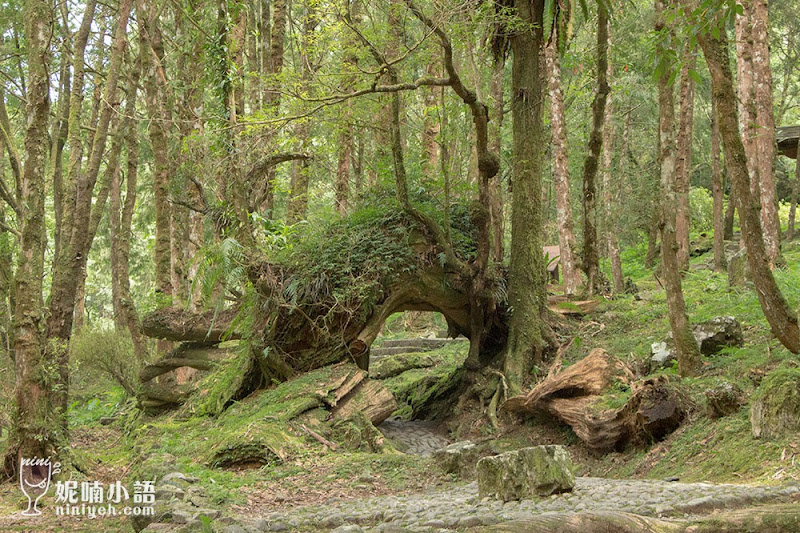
x: 776, y: 404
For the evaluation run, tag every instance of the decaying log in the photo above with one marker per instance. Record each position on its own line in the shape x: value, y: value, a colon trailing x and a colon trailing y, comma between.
x: 178, y: 324
x: 372, y: 399
x: 574, y: 395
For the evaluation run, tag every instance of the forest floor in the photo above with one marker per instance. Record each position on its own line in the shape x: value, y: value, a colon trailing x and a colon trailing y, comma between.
x: 317, y: 487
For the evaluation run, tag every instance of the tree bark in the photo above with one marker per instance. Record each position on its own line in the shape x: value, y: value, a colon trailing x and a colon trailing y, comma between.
x: 591, y: 256
x: 782, y: 320
x: 685, y: 344
x: 765, y: 142
x: 495, y: 146
x: 717, y: 192
x: 38, y: 429
x: 683, y: 164
x: 120, y: 216
x: 609, y: 193
x: 158, y: 130
x: 566, y: 226
x: 526, y: 285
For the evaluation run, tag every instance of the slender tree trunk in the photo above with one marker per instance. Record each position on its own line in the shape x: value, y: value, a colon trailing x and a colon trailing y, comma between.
x: 610, y: 196
x: 765, y: 141
x: 566, y: 226
x: 717, y: 193
x: 591, y: 256
x: 158, y: 129
x: 683, y: 164
x: 685, y: 344
x: 526, y: 290
x: 730, y: 211
x: 38, y: 428
x: 795, y: 191
x: 782, y: 319
x: 298, y: 195
x: 495, y: 146
x: 121, y: 220
x: 272, y: 96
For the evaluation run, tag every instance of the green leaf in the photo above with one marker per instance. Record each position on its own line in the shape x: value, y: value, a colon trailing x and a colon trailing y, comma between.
x: 695, y: 76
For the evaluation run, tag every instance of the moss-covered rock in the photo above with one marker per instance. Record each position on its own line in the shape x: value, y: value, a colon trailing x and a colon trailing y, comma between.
x: 526, y: 473
x: 776, y: 404
x: 459, y: 458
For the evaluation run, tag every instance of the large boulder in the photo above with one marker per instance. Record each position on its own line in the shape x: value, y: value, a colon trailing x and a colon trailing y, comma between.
x: 711, y: 336
x: 776, y: 404
x: 526, y: 473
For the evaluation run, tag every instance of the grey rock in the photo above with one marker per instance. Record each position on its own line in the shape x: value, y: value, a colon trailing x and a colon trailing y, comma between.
x: 718, y: 333
x: 738, y: 269
x: 723, y: 399
x: 526, y: 473
x: 458, y: 458
x: 661, y: 356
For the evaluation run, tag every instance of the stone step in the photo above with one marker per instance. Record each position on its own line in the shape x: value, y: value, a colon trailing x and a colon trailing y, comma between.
x: 394, y: 350
x: 420, y: 343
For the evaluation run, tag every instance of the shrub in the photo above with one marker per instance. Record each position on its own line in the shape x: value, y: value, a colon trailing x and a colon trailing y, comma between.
x: 106, y: 352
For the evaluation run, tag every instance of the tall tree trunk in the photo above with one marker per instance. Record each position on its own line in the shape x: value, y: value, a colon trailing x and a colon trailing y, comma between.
x: 591, y: 257
x: 765, y: 142
x: 781, y: 318
x: 120, y: 223
x: 683, y: 164
x: 526, y: 290
x: 38, y: 429
x: 77, y: 229
x: 717, y: 188
x: 610, y: 186
x: 158, y: 130
x: 566, y: 226
x: 685, y: 344
x: 298, y: 194
x: 272, y: 96
x: 495, y: 146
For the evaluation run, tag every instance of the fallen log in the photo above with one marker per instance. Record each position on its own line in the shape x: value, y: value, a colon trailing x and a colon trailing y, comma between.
x: 181, y: 325
x: 575, y: 397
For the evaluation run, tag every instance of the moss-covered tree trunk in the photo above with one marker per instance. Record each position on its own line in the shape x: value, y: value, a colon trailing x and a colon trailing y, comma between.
x: 38, y: 430
x: 526, y: 284
x: 591, y: 256
x: 683, y: 163
x: 717, y: 192
x: 782, y: 319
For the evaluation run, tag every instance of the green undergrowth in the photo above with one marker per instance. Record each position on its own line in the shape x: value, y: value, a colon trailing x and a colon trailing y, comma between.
x: 724, y: 449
